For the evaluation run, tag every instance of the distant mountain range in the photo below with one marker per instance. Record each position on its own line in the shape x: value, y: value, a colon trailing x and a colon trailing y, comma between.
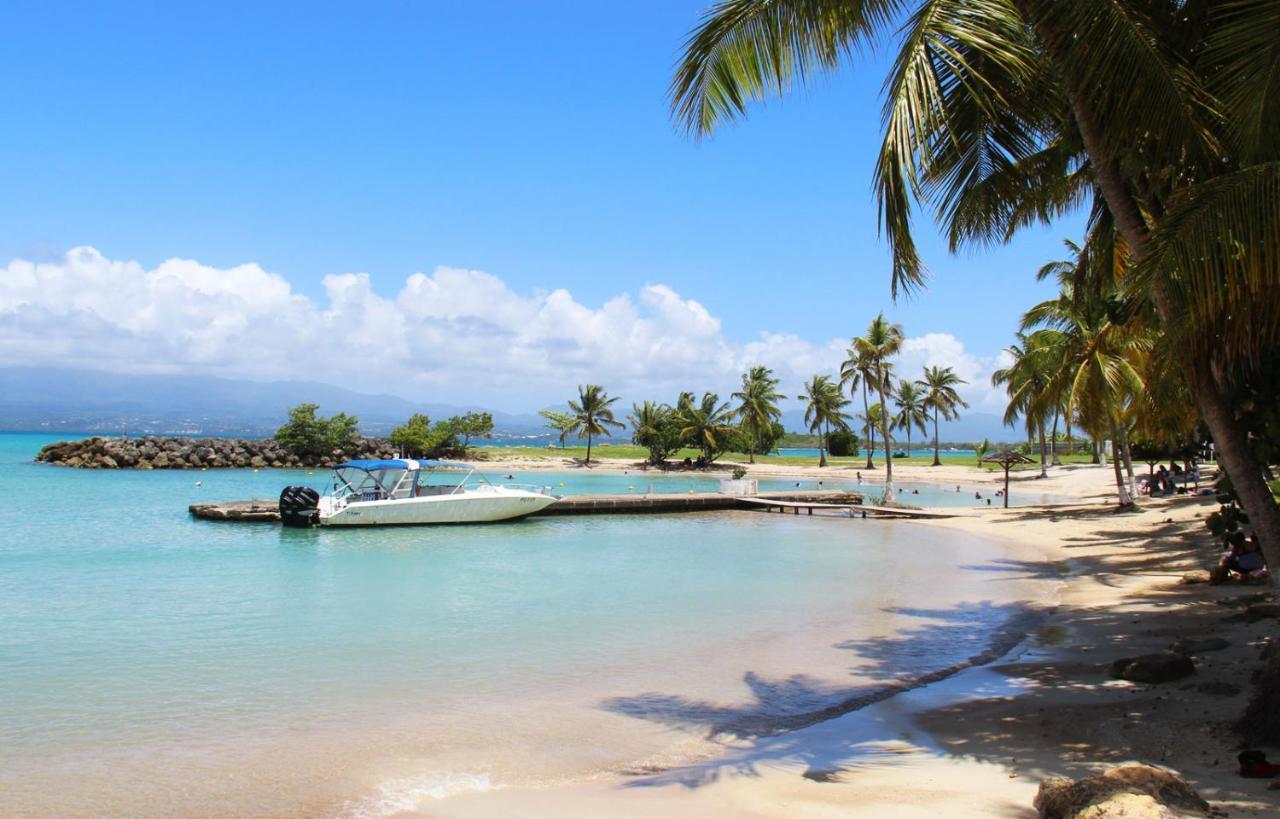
x: 91, y: 401
x: 66, y: 400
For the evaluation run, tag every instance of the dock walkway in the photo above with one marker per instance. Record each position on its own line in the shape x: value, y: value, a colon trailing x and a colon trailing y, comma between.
x: 262, y: 510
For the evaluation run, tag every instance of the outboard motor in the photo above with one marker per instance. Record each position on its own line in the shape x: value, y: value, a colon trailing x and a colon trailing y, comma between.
x: 299, y: 506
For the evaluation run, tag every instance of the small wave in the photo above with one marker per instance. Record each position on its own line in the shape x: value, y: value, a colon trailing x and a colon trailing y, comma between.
x: 408, y: 793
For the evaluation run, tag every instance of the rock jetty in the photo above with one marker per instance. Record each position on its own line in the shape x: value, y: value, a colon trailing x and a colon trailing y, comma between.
x: 154, y: 452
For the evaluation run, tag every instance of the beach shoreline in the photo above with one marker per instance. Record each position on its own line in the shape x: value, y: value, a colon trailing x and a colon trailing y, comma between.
x: 978, y: 742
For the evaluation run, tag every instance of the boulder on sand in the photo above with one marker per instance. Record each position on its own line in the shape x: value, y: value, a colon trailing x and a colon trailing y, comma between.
x: 1130, y: 791
x: 1153, y: 668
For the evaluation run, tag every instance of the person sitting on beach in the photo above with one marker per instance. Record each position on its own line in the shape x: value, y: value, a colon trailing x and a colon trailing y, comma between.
x: 1243, y: 559
x: 977, y: 496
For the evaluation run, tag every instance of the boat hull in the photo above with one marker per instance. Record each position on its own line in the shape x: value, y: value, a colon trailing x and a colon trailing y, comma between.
x: 470, y: 507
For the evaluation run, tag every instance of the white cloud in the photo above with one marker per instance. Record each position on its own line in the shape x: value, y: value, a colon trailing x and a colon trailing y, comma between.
x: 457, y: 335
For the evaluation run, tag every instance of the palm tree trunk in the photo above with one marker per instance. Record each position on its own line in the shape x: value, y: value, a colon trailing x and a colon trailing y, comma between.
x: 588, y: 463
x: 751, y: 456
x: 871, y: 437
x: 1044, y: 471
x: 1229, y: 437
x: 822, y: 444
x: 888, y: 444
x: 936, y: 461
x: 1053, y: 441
x: 1128, y: 460
x: 1122, y: 493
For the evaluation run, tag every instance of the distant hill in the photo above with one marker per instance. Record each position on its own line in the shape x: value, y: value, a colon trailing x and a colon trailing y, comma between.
x: 971, y: 426
x: 90, y: 401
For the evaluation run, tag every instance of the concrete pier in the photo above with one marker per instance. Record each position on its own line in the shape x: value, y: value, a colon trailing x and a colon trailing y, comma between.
x: 628, y: 504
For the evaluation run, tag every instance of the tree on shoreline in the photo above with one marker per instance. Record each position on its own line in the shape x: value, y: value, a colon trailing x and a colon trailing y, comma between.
x: 592, y: 414
x: 856, y: 371
x: 824, y: 408
x: 940, y: 385
x: 654, y: 428
x: 881, y: 342
x: 757, y: 405
x: 704, y: 425
x: 911, y: 410
x: 560, y: 422
x: 308, y: 435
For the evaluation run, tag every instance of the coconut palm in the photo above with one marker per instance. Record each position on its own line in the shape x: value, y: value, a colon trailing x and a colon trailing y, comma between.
x: 1026, y: 380
x: 824, y: 408
x: 859, y: 370
x: 940, y: 395
x: 912, y: 412
x: 881, y: 342
x: 592, y: 414
x: 651, y: 428
x: 1005, y: 113
x: 757, y: 404
x: 705, y: 425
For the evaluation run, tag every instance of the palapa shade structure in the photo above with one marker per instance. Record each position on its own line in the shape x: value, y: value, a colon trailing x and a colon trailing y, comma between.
x: 1007, y: 459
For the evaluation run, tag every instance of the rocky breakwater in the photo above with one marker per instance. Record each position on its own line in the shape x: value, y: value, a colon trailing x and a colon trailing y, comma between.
x: 154, y: 452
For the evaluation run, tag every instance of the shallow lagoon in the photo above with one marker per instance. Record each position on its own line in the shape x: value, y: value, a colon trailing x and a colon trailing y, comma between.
x: 153, y: 664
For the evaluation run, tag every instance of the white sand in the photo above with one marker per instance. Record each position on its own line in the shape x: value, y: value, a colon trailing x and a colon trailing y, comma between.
x: 978, y: 743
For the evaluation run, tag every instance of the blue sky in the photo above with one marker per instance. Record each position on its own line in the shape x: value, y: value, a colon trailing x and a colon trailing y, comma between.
x: 528, y: 141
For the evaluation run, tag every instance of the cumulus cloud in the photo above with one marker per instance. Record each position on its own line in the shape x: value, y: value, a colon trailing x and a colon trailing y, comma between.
x: 453, y: 334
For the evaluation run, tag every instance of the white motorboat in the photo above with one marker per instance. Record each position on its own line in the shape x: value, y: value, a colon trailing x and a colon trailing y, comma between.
x: 399, y: 492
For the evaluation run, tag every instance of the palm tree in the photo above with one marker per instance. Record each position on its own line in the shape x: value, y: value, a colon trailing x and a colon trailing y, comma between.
x: 881, y: 342
x: 757, y: 404
x: 912, y: 412
x: 1005, y: 114
x: 651, y: 429
x: 592, y: 414
x: 824, y: 408
x: 859, y: 370
x: 1026, y: 380
x: 940, y: 396
x: 705, y: 425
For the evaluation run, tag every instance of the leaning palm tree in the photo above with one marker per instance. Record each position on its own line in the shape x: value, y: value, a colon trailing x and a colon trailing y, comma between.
x: 592, y: 414
x: 824, y: 408
x: 757, y: 404
x: 705, y: 425
x: 940, y: 396
x: 881, y: 342
x: 1005, y: 113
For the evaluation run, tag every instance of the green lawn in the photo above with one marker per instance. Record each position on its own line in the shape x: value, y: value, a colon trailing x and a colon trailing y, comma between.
x: 638, y: 453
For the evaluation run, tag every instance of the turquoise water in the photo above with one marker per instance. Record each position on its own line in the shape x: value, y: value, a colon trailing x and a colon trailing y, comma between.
x: 151, y: 664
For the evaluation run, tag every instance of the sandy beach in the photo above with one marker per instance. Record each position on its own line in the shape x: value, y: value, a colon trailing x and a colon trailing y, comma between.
x: 979, y: 742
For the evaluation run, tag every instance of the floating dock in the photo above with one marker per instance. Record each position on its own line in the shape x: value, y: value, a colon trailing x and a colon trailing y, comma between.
x: 632, y: 503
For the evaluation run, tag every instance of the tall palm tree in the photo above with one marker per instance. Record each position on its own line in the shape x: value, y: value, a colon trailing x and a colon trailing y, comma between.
x: 824, y: 408
x: 705, y: 425
x: 592, y: 414
x: 757, y: 404
x: 940, y: 396
x: 881, y: 342
x: 1003, y: 114
x: 912, y: 412
x: 859, y: 370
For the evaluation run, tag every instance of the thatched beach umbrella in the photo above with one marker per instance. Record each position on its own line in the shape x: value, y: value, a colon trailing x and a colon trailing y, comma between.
x: 1006, y: 459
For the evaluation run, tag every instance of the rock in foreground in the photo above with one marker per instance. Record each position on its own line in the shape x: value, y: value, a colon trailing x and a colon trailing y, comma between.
x: 1131, y: 791
x: 1153, y: 668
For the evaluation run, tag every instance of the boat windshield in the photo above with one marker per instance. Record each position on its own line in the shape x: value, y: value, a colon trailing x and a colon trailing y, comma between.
x: 373, y: 484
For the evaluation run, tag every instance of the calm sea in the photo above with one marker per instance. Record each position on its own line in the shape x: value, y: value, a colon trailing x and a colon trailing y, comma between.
x: 151, y: 664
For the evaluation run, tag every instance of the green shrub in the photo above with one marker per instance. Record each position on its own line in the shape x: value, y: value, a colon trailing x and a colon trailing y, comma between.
x: 842, y: 442
x: 308, y: 435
